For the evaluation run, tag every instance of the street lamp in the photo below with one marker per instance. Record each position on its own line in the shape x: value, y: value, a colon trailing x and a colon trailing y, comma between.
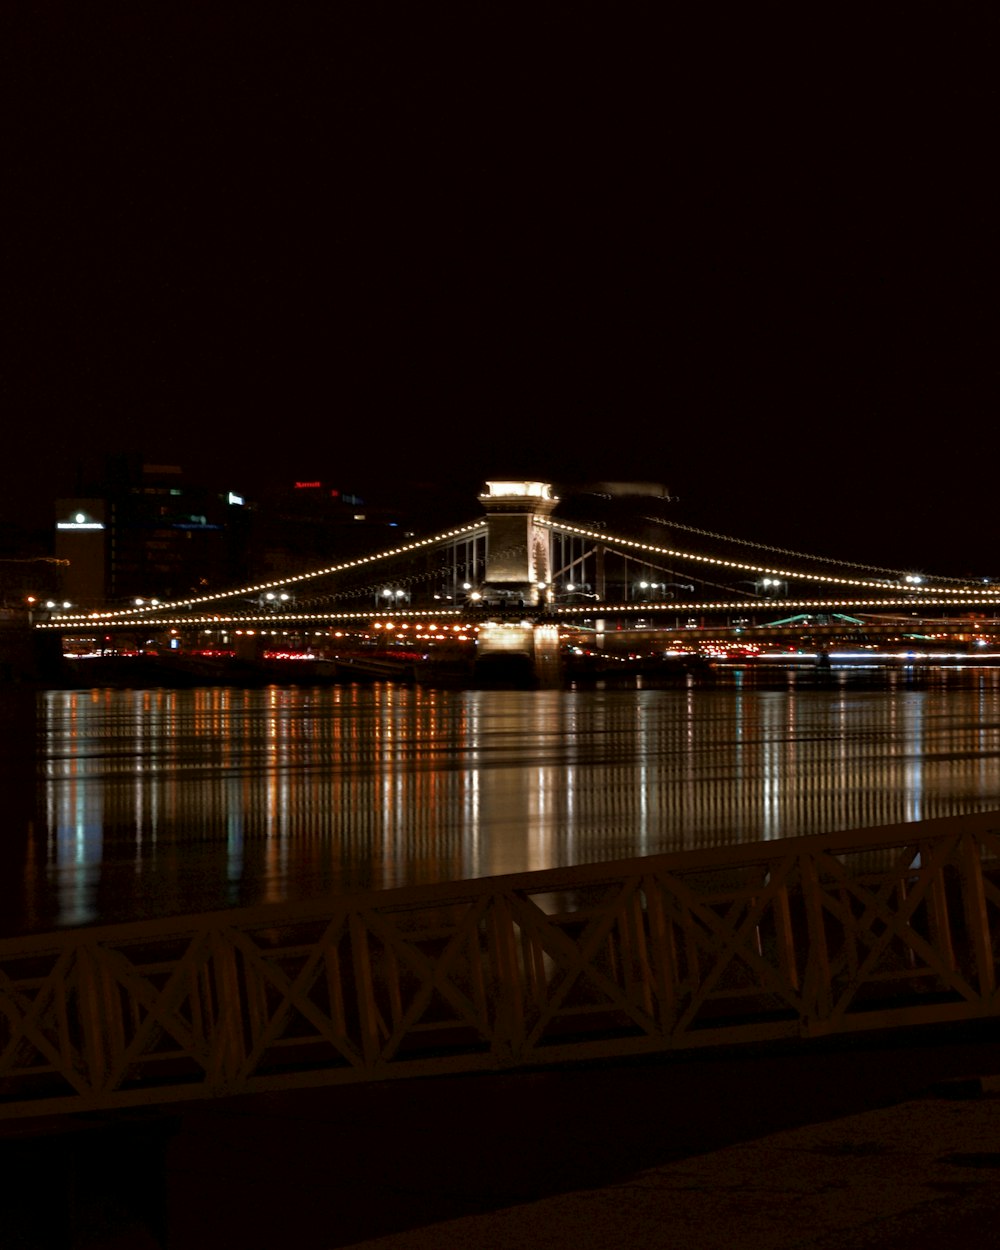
x: 665, y: 586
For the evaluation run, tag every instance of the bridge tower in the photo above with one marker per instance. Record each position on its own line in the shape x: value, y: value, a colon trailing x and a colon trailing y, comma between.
x: 518, y: 573
x: 517, y: 547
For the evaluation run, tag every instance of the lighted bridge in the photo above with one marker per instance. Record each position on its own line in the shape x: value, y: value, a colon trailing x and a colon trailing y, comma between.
x: 519, y: 566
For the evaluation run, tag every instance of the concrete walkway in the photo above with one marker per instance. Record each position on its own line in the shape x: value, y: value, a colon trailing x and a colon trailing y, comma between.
x: 851, y: 1139
x: 891, y: 1142
x: 916, y: 1176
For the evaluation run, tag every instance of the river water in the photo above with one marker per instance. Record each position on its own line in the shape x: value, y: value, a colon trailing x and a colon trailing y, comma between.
x: 125, y: 804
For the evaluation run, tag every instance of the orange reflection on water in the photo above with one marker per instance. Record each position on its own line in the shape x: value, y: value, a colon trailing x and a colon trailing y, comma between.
x: 161, y: 802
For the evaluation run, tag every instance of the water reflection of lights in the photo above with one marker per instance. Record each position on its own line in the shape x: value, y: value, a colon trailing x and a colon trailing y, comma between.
x: 191, y: 800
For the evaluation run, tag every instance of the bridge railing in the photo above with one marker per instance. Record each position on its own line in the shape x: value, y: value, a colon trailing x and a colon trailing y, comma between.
x: 797, y: 938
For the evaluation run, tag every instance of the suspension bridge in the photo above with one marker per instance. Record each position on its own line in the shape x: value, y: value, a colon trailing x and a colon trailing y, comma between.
x: 518, y: 580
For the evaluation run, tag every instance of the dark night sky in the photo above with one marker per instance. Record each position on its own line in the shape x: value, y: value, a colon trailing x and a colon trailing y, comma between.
x: 749, y: 253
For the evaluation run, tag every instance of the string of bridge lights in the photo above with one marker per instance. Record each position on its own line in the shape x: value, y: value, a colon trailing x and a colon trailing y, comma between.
x: 914, y: 584
x: 379, y: 589
x: 785, y: 551
x: 143, y: 610
x: 154, y: 612
x: 737, y: 605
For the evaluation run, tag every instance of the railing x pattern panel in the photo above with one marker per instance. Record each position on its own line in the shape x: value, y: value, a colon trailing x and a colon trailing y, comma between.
x: 798, y: 938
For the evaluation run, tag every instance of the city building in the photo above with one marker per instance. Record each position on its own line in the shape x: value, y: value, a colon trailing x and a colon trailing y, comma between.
x: 307, y: 523
x: 149, y: 531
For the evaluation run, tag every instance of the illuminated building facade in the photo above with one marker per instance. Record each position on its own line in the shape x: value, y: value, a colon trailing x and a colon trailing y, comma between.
x: 81, y: 548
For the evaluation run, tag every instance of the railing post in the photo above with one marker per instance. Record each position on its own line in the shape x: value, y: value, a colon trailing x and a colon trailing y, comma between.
x: 817, y: 998
x: 977, y: 916
x: 508, y: 1027
x: 368, y: 1014
x: 938, y: 919
x: 228, y: 1049
x: 663, y: 956
x: 784, y: 937
x: 92, y: 1016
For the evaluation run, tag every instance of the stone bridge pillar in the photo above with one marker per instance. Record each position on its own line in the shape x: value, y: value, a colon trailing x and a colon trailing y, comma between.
x: 517, y: 547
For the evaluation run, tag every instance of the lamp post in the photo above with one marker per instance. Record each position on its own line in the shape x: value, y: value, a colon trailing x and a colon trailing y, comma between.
x: 646, y: 587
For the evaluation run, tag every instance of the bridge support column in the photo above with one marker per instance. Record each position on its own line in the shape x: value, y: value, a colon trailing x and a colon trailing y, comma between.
x: 249, y: 646
x: 519, y: 654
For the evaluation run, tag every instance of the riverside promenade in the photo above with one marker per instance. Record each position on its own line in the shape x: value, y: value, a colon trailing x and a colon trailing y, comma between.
x: 891, y: 1144
x: 920, y: 1175
x: 889, y: 1141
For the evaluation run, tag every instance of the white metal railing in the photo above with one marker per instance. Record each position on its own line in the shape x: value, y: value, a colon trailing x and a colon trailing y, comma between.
x: 796, y: 938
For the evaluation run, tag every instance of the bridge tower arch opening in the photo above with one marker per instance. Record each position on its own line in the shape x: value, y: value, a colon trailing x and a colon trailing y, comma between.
x: 517, y: 547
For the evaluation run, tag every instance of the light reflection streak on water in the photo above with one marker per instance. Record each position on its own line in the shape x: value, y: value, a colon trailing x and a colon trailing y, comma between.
x: 914, y: 764
x: 218, y: 798
x: 771, y: 788
x: 74, y: 819
x: 987, y: 737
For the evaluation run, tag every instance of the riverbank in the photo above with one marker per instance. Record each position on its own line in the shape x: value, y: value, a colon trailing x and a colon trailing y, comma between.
x: 187, y: 672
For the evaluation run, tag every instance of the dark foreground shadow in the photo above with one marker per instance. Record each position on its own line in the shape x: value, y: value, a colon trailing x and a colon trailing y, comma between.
x: 316, y: 1169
